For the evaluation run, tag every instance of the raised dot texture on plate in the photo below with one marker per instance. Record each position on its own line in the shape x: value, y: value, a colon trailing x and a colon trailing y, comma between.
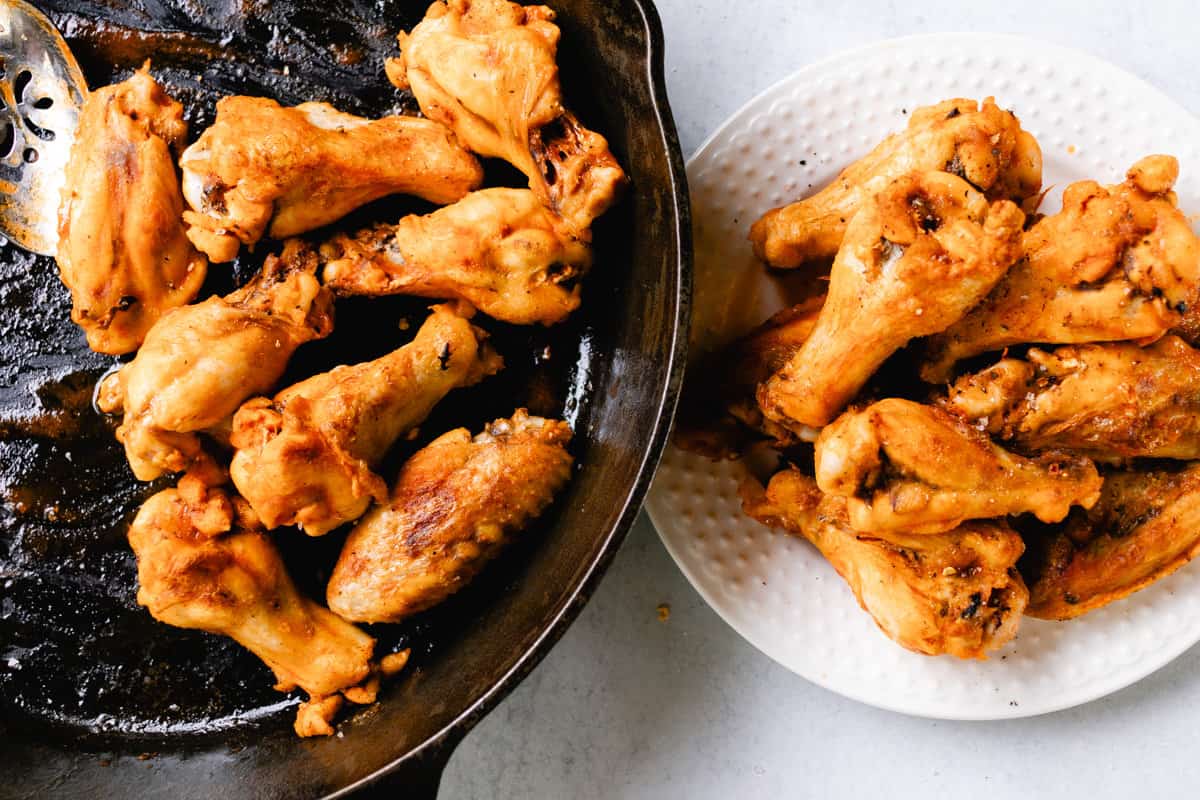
x: 783, y: 597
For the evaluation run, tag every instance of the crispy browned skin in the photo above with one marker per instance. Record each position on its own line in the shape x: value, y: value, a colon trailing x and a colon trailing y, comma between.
x: 307, y: 456
x: 200, y: 568
x: 486, y: 69
x: 499, y: 249
x: 455, y: 505
x: 981, y: 144
x: 956, y: 593
x: 1117, y: 263
x: 1110, y: 402
x: 916, y: 257
x: 907, y: 467
x: 264, y: 169
x: 122, y: 250
x: 200, y: 362
x: 1146, y: 526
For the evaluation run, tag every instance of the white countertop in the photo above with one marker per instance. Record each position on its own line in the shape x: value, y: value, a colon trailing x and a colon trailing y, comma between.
x: 627, y: 706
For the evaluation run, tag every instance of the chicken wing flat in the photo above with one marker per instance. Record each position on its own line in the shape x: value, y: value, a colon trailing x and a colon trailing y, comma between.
x: 499, y: 249
x: 916, y: 257
x: 1110, y: 402
x: 487, y: 69
x: 1146, y: 526
x: 956, y: 593
x: 122, y: 250
x: 263, y: 169
x: 981, y: 144
x: 200, y: 566
x: 200, y: 362
x: 1117, y: 263
x: 306, y: 457
x: 903, y: 466
x: 455, y: 505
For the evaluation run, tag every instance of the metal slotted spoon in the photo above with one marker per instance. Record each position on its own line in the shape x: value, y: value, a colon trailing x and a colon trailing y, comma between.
x: 41, y: 90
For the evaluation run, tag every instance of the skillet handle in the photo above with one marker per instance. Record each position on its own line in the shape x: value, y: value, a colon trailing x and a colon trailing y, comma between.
x: 415, y: 778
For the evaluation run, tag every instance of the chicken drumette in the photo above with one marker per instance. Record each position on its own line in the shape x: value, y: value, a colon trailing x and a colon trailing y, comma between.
x: 200, y: 362
x: 263, y: 169
x: 981, y: 144
x: 912, y: 468
x: 1145, y: 526
x: 306, y: 457
x: 455, y: 505
x: 915, y: 258
x: 499, y: 249
x: 1117, y: 263
x: 486, y: 69
x: 121, y: 245
x: 1110, y: 402
x: 203, y: 565
x: 957, y: 592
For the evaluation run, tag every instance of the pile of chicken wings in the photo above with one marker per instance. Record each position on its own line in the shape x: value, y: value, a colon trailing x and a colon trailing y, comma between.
x: 981, y: 412
x: 142, y: 220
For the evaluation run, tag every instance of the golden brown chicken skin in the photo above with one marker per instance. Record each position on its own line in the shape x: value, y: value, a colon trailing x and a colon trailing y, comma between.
x: 1146, y: 526
x: 200, y: 362
x: 202, y: 565
x: 122, y: 250
x: 1110, y: 402
x: 455, y: 505
x: 499, y: 249
x: 1117, y: 263
x: 306, y: 457
x: 984, y: 145
x: 266, y: 170
x: 487, y: 70
x: 956, y: 593
x: 906, y: 467
x: 916, y: 257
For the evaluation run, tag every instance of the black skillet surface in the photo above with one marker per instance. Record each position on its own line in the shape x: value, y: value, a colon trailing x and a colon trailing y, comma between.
x: 96, y: 697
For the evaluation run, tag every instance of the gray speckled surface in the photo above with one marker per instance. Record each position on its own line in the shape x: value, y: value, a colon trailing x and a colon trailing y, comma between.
x: 627, y: 706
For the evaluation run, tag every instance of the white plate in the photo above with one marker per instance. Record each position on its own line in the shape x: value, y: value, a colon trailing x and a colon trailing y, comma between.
x: 1092, y: 120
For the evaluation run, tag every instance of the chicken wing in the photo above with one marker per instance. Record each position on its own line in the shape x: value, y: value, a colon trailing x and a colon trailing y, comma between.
x: 455, y: 505
x: 306, y: 457
x: 486, y: 69
x: 981, y: 144
x: 1117, y: 263
x: 1110, y: 402
x: 1146, y: 526
x: 263, y: 169
x: 122, y: 250
x: 200, y: 362
x: 201, y: 566
x: 907, y: 467
x: 956, y: 593
x: 915, y: 258
x: 499, y: 249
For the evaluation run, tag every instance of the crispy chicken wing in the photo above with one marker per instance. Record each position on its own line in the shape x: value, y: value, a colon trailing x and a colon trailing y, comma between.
x: 486, y: 69
x: 200, y: 362
x: 455, y: 505
x: 1146, y: 526
x: 306, y: 457
x: 957, y: 592
x: 1110, y: 402
x: 907, y: 467
x: 981, y: 144
x: 200, y: 566
x: 915, y: 258
x: 122, y: 250
x: 263, y: 169
x: 1117, y: 263
x: 499, y: 249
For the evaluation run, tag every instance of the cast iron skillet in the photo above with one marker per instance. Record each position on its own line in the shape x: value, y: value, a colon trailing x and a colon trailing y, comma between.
x: 98, y: 700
